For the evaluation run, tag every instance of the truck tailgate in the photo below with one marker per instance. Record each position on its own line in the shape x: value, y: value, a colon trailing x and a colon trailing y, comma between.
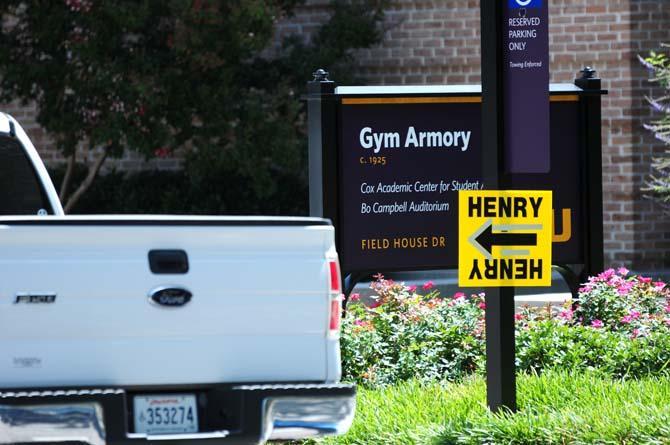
x: 259, y: 309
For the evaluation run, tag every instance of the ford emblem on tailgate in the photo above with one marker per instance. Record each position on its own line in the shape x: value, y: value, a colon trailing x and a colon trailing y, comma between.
x: 170, y: 296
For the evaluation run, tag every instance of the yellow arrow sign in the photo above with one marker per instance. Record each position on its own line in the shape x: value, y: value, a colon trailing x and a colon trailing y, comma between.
x: 504, y: 238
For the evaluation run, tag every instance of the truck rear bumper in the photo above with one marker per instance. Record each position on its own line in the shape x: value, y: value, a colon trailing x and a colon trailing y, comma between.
x: 241, y: 414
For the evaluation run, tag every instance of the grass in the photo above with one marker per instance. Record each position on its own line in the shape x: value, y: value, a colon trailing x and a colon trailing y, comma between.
x: 555, y: 408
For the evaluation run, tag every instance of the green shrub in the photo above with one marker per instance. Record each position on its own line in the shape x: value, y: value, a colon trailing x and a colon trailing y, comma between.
x: 620, y: 326
x: 176, y: 192
x: 212, y: 82
x: 552, y: 344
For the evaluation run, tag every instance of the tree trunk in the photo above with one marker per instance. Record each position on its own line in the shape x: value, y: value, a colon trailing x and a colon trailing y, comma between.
x: 86, y: 183
x: 65, y: 185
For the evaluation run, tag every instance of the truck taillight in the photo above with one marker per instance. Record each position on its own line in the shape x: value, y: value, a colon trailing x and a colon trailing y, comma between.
x: 335, y: 314
x: 335, y: 284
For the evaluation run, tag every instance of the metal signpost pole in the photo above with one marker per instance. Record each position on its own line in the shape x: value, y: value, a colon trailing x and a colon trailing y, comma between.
x: 592, y: 125
x: 322, y: 127
x: 515, y: 131
x: 500, y: 357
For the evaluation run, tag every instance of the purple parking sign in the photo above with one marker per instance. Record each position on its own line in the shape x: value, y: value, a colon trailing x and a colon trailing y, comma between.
x: 526, y: 59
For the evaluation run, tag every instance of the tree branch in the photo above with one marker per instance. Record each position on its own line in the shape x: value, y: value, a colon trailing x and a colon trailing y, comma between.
x: 86, y: 183
x: 65, y: 185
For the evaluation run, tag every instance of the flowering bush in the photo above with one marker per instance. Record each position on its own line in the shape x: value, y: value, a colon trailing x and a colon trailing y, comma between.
x: 404, y: 335
x: 620, y: 325
x: 622, y: 302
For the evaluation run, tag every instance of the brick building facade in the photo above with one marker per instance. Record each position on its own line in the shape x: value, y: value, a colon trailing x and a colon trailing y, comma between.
x: 437, y: 42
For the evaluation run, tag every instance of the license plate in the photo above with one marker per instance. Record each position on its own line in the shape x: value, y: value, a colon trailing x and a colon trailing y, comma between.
x: 165, y: 414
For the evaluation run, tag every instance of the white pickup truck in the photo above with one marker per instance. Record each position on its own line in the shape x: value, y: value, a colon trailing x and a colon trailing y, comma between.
x: 155, y: 329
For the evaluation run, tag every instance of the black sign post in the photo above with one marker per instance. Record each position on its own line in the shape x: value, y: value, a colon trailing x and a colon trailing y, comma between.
x: 590, y: 104
x: 500, y: 343
x: 515, y: 131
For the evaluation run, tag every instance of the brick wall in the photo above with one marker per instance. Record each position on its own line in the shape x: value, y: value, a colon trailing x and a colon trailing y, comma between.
x: 437, y: 42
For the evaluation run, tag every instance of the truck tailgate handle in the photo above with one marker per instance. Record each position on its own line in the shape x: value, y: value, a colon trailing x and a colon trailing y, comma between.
x: 168, y: 261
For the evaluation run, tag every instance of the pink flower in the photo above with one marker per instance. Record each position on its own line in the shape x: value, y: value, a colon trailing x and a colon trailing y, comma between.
x: 645, y: 279
x: 597, y: 323
x: 667, y: 321
x: 624, y: 288
x: 634, y: 314
x: 459, y: 296
x: 482, y: 306
x: 623, y: 271
x: 627, y: 319
x: 428, y: 285
x: 411, y: 288
x: 354, y: 297
x: 162, y: 152
x: 79, y: 5
x: 659, y: 286
x: 606, y: 275
x: 616, y: 280
x: 667, y: 308
x: 566, y: 314
x: 367, y: 324
x: 636, y: 333
x: 518, y: 317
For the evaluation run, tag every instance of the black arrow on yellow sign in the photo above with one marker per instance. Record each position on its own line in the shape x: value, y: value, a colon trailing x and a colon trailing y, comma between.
x: 484, y: 239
